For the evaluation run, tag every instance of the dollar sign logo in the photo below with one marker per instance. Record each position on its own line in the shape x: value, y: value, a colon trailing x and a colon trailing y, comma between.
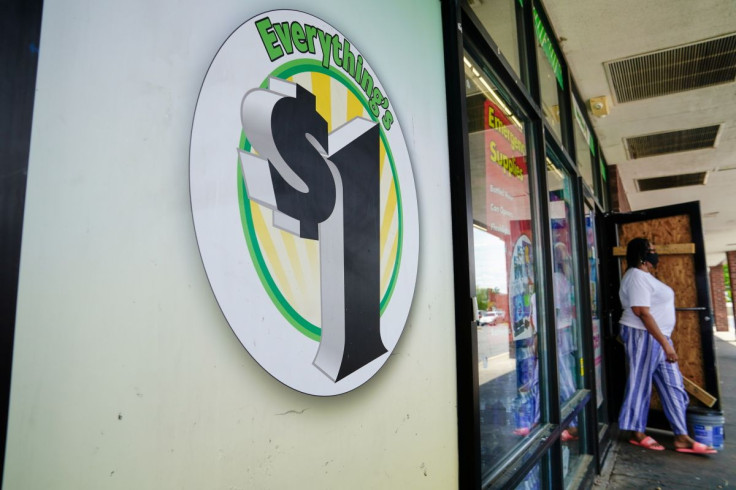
x: 323, y: 187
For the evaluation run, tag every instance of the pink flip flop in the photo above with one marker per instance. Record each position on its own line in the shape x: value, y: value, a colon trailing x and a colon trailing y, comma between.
x: 566, y: 436
x: 698, y: 448
x: 648, y: 443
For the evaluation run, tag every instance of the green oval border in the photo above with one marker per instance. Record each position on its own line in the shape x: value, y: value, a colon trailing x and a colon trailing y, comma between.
x: 292, y: 316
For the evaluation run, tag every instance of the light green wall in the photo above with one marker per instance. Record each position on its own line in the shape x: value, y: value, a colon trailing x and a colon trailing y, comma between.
x: 126, y: 374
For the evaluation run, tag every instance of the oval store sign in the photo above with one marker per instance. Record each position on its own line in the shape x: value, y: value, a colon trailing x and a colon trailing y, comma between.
x: 304, y: 202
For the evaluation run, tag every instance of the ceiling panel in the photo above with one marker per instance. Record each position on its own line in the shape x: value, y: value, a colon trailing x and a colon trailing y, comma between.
x: 675, y: 43
x: 671, y: 142
x: 673, y: 70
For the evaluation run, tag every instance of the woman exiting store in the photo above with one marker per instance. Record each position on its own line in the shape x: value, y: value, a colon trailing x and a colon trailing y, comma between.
x: 647, y: 324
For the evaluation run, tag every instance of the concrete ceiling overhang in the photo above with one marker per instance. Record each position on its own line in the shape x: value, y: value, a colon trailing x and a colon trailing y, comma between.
x: 593, y: 32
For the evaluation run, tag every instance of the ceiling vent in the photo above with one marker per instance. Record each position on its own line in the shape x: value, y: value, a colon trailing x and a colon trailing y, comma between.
x: 671, y: 142
x: 670, y: 181
x: 673, y: 70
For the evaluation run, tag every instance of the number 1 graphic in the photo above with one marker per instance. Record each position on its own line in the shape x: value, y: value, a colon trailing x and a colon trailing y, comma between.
x: 323, y: 187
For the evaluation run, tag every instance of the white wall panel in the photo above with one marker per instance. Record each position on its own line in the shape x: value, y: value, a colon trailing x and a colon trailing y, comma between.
x: 126, y: 374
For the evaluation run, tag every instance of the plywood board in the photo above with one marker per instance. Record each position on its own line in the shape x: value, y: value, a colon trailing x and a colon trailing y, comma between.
x: 699, y: 393
x: 668, y: 249
x: 678, y: 272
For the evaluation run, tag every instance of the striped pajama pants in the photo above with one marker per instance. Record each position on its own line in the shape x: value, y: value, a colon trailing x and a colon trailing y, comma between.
x: 566, y: 366
x: 646, y: 363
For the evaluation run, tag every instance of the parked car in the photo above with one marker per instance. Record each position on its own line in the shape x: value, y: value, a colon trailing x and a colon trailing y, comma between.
x: 491, y: 317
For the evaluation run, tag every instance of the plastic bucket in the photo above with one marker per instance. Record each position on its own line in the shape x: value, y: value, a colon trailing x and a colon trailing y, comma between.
x: 706, y: 426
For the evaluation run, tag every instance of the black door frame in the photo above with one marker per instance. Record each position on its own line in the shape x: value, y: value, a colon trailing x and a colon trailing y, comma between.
x: 20, y: 33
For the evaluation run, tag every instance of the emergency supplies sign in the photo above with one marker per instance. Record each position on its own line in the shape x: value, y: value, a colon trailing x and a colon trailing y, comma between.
x: 304, y: 202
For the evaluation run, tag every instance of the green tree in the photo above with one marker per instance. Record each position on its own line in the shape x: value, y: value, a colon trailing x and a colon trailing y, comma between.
x: 727, y: 280
x: 482, y: 298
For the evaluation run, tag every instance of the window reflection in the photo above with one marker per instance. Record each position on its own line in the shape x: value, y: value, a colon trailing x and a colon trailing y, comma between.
x: 602, y: 191
x: 584, y: 147
x: 567, y: 324
x: 508, y: 370
x: 571, y: 458
x: 499, y: 19
x: 595, y: 312
x: 551, y: 79
x: 533, y: 480
x: 564, y: 294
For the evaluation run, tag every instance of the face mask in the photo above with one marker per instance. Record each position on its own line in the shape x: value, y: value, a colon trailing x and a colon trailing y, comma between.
x: 652, y: 258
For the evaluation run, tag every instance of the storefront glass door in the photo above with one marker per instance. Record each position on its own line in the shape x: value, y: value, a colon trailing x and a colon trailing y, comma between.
x: 568, y: 316
x: 524, y: 363
x: 595, y: 310
x: 505, y: 267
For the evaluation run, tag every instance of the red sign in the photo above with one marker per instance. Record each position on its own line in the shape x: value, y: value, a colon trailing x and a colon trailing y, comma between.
x: 507, y: 188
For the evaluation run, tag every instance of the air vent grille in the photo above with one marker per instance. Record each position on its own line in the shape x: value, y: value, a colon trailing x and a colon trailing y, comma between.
x: 671, y: 142
x: 670, y: 181
x: 674, y: 70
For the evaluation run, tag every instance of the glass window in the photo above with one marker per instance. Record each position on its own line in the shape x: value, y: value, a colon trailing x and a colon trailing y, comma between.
x: 570, y: 458
x: 584, y: 146
x: 565, y: 292
x: 533, y: 480
x: 603, y: 190
x: 499, y: 18
x: 563, y: 278
x: 551, y: 79
x: 595, y: 309
x: 505, y: 271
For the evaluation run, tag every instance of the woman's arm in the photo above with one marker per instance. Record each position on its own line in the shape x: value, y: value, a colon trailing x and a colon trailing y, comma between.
x: 651, y: 325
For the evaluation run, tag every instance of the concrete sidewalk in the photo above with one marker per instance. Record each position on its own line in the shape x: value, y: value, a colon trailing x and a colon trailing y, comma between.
x: 631, y: 467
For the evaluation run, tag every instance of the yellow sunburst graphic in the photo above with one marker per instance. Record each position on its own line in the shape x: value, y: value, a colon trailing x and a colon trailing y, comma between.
x: 293, y: 262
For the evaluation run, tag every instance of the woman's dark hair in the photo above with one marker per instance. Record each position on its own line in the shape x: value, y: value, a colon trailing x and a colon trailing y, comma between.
x: 636, y: 250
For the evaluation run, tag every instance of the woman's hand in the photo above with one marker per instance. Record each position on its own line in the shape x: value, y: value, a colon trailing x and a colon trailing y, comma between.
x: 669, y: 353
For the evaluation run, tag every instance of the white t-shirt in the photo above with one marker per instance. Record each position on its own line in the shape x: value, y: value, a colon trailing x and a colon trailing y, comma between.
x: 563, y: 300
x: 639, y: 288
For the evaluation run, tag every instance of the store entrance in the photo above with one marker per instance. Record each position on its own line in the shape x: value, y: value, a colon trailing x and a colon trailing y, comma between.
x: 678, y: 235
